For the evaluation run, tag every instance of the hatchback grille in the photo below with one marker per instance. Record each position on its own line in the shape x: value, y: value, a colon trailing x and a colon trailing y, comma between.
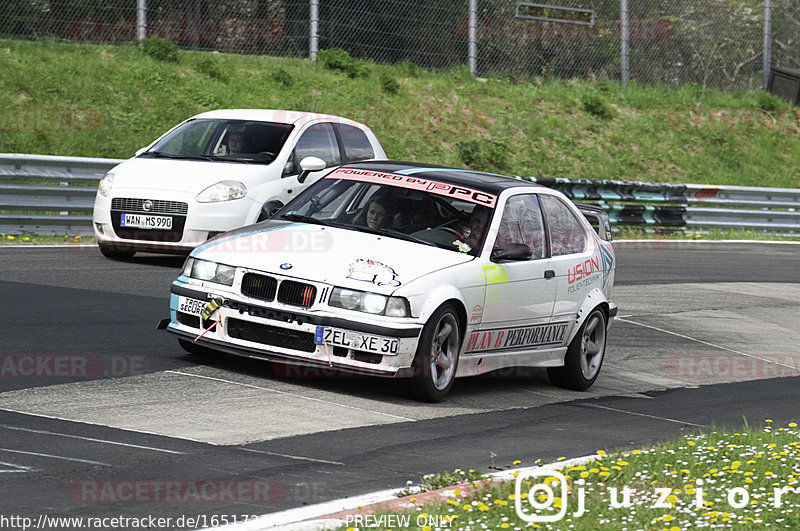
x: 271, y: 335
x: 259, y: 286
x: 158, y: 206
x: 297, y: 293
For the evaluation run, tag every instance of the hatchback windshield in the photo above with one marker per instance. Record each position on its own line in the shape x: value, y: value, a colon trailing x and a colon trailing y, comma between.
x: 228, y: 140
x: 442, y: 215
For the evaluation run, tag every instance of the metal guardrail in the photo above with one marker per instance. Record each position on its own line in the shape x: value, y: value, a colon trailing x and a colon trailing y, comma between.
x: 43, y: 194
x: 49, y: 195
x: 686, y: 206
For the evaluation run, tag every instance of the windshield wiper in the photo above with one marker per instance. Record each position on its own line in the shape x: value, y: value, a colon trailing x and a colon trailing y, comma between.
x: 306, y: 219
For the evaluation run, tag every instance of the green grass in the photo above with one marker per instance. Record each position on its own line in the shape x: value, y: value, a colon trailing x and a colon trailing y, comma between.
x: 694, y: 475
x: 108, y: 101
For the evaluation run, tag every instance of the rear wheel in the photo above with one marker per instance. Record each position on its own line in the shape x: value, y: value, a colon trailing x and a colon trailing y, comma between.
x: 436, y: 360
x: 115, y: 252
x: 584, y: 355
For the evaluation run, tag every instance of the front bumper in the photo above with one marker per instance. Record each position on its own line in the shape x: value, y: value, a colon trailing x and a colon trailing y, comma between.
x: 273, y: 332
x: 193, y: 224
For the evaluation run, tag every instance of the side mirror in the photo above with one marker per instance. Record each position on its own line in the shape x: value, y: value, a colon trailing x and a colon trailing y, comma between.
x: 512, y: 252
x: 309, y: 164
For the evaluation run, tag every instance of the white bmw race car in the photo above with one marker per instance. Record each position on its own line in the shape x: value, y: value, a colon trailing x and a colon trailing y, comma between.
x: 404, y: 270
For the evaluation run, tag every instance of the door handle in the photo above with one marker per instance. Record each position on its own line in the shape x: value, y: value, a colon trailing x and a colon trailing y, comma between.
x: 549, y: 273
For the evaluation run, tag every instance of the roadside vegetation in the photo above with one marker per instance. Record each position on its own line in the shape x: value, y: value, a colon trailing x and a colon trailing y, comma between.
x: 108, y: 101
x: 715, y: 479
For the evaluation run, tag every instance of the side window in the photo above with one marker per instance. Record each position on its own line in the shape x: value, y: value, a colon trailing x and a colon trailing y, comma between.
x: 522, y: 223
x: 355, y: 142
x: 566, y: 232
x: 317, y: 141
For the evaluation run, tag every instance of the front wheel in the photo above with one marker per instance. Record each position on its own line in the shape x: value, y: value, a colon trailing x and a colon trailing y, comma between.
x: 436, y: 360
x: 584, y: 355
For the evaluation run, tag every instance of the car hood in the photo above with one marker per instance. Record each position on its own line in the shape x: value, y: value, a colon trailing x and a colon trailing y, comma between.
x: 181, y: 175
x: 331, y: 255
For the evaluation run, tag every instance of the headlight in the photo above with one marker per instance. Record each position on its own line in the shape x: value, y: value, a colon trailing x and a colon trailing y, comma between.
x: 374, y: 303
x: 222, y: 191
x: 105, y: 184
x: 209, y: 271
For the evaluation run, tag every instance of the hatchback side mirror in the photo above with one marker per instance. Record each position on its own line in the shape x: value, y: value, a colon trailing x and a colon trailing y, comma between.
x: 309, y: 164
x: 512, y: 252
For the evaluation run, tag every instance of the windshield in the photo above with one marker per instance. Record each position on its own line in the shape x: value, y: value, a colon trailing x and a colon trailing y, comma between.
x: 227, y: 140
x: 434, y: 217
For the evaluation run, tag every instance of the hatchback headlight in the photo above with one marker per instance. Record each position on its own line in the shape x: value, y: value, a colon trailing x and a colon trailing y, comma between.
x: 364, y: 301
x: 209, y: 271
x: 105, y: 184
x: 222, y: 191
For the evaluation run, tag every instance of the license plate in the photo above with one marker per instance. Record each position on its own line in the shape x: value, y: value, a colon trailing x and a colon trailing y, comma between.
x: 140, y: 221
x: 356, y: 341
x: 191, y: 306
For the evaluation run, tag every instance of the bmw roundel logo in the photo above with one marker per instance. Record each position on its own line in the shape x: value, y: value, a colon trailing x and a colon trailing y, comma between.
x: 147, y: 206
x: 286, y: 266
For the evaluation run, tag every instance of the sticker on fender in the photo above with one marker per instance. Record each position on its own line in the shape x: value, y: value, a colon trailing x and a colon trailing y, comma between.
x: 355, y: 341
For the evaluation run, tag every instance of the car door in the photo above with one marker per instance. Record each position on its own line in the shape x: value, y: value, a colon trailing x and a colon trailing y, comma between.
x: 519, y: 294
x: 572, y: 258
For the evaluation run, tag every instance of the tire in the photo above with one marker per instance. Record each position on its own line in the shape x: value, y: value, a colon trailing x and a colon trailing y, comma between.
x: 436, y: 360
x: 585, y: 355
x: 268, y: 210
x: 197, y: 350
x: 114, y: 252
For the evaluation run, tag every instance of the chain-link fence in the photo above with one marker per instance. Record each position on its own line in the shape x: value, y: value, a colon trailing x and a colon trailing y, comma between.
x: 722, y: 44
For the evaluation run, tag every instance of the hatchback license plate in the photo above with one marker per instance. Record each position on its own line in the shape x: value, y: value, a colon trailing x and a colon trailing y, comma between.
x: 146, y: 222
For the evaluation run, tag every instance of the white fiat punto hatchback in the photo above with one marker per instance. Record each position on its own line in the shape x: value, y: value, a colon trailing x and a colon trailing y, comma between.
x: 218, y: 171
x: 402, y: 270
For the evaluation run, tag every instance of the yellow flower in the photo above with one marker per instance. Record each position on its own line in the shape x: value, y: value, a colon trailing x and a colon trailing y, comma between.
x: 636, y: 452
x: 560, y: 458
x: 453, y: 502
x: 668, y: 518
x: 517, y: 462
x: 426, y: 528
x: 691, y: 443
x: 768, y: 420
x: 601, y: 452
x: 792, y: 424
x: 10, y: 237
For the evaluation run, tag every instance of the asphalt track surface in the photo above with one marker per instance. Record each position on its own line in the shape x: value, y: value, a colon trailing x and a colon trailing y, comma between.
x: 95, y: 403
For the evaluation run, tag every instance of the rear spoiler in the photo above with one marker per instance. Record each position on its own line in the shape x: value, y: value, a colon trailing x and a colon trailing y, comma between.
x: 597, y: 218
